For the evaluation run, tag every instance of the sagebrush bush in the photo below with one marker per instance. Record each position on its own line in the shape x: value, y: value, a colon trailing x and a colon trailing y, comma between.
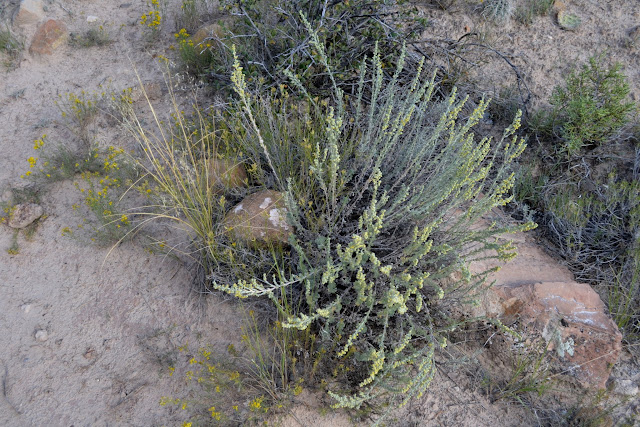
x: 591, y: 106
x: 385, y: 200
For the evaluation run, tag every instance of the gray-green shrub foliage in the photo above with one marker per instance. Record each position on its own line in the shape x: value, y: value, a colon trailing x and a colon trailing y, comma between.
x: 591, y: 106
x: 386, y: 210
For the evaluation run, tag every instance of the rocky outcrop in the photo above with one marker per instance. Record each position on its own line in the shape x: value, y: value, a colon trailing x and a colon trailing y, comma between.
x: 49, y: 36
x: 538, y: 298
x: 260, y: 217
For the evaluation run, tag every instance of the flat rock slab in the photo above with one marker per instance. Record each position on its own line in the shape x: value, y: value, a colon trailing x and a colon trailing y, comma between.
x: 25, y: 214
x: 49, y: 36
x: 583, y: 341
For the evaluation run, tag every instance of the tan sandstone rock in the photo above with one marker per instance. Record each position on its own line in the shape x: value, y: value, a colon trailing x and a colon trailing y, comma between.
x: 49, y: 36
x: 260, y: 217
x: 29, y: 12
x: 210, y: 30
x: 25, y: 214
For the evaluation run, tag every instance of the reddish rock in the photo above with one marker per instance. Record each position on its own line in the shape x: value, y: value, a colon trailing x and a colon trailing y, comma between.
x: 583, y: 340
x: 260, y: 217
x: 49, y: 37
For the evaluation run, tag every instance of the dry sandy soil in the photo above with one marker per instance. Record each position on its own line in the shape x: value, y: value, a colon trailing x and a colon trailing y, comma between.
x: 114, y: 318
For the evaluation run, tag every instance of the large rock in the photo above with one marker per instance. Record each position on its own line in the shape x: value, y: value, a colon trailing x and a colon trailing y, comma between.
x: 25, y: 214
x: 29, y: 12
x: 582, y: 340
x: 49, y: 36
x: 260, y: 217
x: 539, y: 299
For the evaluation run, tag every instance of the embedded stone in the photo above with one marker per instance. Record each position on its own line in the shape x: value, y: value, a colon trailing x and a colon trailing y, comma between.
x: 224, y: 174
x: 29, y: 12
x: 49, y: 36
x: 25, y: 214
x: 42, y: 335
x: 260, y: 217
x: 582, y: 340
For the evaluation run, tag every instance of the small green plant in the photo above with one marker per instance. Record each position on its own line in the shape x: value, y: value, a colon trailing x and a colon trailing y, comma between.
x: 568, y: 21
x: 247, y: 384
x: 530, y: 376
x: 79, y: 111
x: 10, y: 46
x: 152, y: 19
x: 497, y: 10
x: 92, y: 37
x: 526, y: 13
x: 14, y: 248
x: 57, y: 162
x: 591, y: 106
x: 197, y: 56
x: 97, y: 191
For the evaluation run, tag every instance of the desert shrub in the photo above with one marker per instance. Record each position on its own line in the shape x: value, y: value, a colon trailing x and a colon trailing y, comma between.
x: 591, y: 106
x: 498, y: 10
x: 10, y: 46
x: 243, y: 384
x: 151, y: 20
x: 385, y: 215
x: 526, y: 13
x: 92, y: 37
x: 270, y: 37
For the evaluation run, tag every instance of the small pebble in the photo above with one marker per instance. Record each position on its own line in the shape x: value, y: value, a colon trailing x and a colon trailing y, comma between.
x: 26, y: 308
x: 42, y: 335
x: 92, y: 18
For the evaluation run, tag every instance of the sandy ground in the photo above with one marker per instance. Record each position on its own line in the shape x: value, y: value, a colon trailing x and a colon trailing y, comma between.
x: 114, y: 319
